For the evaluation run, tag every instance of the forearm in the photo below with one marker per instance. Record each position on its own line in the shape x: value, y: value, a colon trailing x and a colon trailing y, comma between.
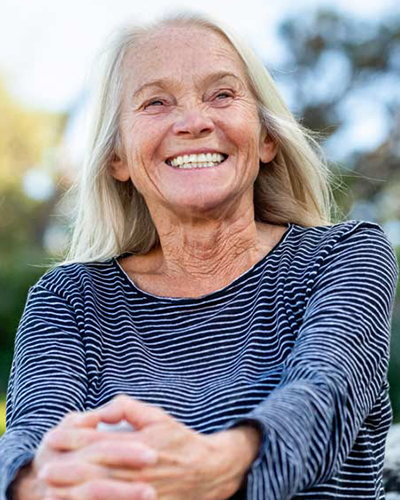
x: 305, y: 425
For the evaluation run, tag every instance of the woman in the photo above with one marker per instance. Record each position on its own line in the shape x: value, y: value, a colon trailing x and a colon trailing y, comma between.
x: 247, y: 336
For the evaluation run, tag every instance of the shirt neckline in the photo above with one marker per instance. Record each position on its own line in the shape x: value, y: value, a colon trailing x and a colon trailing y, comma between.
x: 213, y: 294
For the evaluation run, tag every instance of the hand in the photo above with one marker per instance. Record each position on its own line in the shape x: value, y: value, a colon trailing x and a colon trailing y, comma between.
x: 91, y: 467
x: 189, y: 465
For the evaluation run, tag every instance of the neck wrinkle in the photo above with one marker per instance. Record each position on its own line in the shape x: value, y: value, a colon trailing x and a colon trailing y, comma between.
x: 212, y: 252
x: 210, y: 247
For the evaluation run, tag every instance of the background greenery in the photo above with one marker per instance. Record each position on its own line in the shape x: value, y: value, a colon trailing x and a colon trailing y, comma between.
x: 33, y: 228
x: 2, y: 415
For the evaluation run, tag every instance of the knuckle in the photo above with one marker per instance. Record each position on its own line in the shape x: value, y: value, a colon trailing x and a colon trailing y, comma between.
x: 49, y: 473
x: 122, y: 399
x: 89, y: 437
x: 50, y: 437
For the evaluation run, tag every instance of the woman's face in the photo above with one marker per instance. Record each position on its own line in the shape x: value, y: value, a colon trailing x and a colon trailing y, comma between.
x: 190, y: 132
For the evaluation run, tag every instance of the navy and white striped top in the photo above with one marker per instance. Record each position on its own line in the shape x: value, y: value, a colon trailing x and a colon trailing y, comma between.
x: 297, y: 344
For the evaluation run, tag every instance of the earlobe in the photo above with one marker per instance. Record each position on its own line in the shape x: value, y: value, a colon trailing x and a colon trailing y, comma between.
x: 119, y: 169
x: 268, y: 148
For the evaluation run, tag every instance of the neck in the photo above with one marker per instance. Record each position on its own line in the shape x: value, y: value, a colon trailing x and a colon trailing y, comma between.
x: 218, y: 248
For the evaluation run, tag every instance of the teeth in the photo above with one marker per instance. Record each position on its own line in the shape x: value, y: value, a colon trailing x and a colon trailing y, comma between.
x: 197, y: 161
x: 198, y: 165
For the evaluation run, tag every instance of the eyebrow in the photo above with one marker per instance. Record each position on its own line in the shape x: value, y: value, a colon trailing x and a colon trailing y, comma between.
x: 165, y: 82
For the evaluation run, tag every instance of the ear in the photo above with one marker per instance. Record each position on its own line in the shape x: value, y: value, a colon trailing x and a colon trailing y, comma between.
x: 119, y: 169
x: 268, y: 147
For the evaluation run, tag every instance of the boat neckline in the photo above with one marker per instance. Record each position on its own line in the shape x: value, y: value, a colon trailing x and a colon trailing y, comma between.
x: 212, y: 294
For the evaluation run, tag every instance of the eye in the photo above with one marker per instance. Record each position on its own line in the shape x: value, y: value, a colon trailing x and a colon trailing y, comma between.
x: 222, y: 97
x: 224, y: 94
x: 154, y: 102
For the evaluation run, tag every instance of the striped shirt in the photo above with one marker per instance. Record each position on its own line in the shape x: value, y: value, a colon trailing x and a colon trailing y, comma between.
x: 297, y: 345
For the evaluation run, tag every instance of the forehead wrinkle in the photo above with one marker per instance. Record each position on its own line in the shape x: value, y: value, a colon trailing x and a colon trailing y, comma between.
x: 224, y: 52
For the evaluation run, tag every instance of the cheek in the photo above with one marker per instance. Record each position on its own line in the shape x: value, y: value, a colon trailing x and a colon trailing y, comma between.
x: 143, y: 164
x: 139, y: 149
x: 248, y: 146
x: 147, y: 139
x: 243, y: 130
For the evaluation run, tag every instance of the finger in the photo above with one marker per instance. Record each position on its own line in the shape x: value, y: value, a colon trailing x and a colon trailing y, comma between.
x: 63, y: 474
x: 105, y: 489
x: 68, y: 473
x: 119, y: 449
x: 136, y: 412
x: 121, y: 454
x: 69, y: 439
x: 80, y: 419
x: 73, y: 420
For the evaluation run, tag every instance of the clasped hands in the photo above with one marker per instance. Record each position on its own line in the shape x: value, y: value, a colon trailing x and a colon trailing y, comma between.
x: 161, y: 459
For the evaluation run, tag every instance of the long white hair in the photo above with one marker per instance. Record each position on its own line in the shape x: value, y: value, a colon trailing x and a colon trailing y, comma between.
x: 111, y: 217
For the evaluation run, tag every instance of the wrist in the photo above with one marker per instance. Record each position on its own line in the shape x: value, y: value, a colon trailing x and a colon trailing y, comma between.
x: 247, y: 440
x: 236, y: 449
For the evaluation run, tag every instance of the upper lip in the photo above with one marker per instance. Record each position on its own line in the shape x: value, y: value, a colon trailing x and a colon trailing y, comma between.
x: 195, y: 152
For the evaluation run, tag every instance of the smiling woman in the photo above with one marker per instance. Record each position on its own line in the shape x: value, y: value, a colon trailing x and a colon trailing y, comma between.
x: 207, y: 305
x: 294, y: 187
x: 195, y: 102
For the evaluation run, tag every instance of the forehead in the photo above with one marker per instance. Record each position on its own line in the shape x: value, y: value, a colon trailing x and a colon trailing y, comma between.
x: 181, y: 52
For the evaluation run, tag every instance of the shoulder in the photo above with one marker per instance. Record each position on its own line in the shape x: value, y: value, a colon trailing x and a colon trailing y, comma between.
x: 353, y: 233
x: 69, y: 280
x: 336, y: 231
x: 342, y: 246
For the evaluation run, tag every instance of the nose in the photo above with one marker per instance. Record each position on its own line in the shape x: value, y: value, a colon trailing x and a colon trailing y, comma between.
x: 193, y: 122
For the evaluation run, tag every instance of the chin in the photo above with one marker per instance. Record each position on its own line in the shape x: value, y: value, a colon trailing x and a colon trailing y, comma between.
x: 201, y: 206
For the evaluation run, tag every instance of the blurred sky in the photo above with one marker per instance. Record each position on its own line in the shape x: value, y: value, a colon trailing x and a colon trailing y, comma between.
x: 47, y: 46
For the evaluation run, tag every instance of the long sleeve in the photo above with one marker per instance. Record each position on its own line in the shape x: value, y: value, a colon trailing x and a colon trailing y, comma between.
x: 48, y: 378
x: 335, y: 372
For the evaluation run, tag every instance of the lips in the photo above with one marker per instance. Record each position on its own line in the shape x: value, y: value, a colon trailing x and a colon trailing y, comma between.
x: 196, y: 160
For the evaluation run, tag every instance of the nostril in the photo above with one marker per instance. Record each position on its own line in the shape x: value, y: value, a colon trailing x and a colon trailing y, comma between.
x: 194, y: 124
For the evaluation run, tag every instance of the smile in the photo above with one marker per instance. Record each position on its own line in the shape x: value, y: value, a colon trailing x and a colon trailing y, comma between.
x: 202, y: 160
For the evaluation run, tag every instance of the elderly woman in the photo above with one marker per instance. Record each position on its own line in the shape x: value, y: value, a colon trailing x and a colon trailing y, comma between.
x: 207, y: 301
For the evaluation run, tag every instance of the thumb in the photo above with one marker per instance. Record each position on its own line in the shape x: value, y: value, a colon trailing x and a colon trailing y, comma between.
x: 135, y: 412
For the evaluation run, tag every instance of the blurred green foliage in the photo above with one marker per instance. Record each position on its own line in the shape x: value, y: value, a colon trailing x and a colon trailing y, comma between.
x: 372, y: 178
x: 25, y: 136
x: 365, y: 57
x: 2, y: 414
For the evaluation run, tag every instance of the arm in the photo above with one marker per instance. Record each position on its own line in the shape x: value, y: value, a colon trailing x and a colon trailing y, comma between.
x: 49, y: 382
x: 48, y: 379
x: 334, y: 373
